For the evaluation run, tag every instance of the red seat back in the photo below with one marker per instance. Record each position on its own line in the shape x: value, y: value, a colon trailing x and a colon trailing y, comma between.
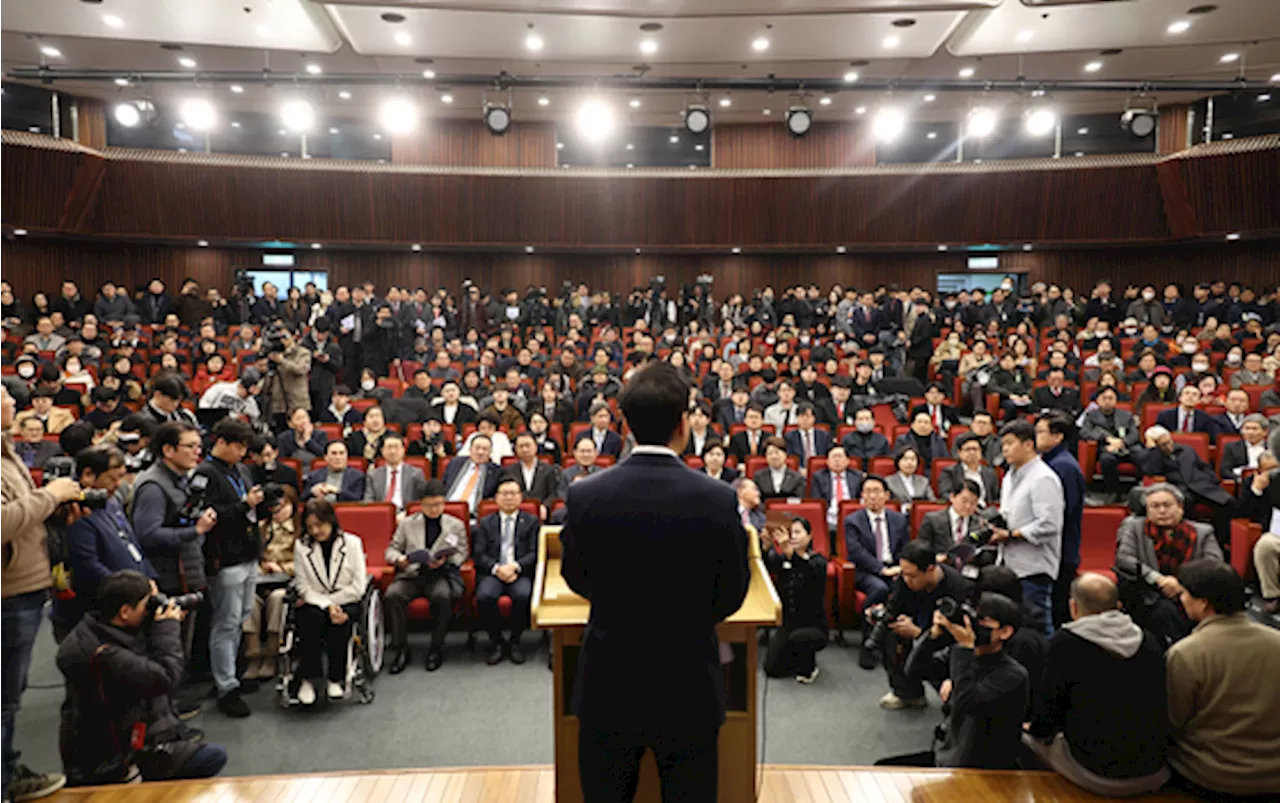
x: 1098, y: 537
x: 919, y: 510
x: 939, y: 465
x: 374, y: 522
x: 1198, y: 441
x: 815, y: 512
x: 530, y: 506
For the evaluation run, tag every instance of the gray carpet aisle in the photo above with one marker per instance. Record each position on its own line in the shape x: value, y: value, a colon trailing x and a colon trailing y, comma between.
x: 469, y: 714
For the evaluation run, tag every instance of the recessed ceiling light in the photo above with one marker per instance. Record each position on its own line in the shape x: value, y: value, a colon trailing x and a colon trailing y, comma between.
x: 188, y: 62
x: 766, y: 112
x: 446, y: 98
x: 860, y: 110
x: 737, y: 250
x: 315, y: 246
x: 648, y: 46
x: 1025, y: 36
x: 314, y: 69
x: 544, y: 101
x: 1178, y: 26
x: 966, y: 72
x: 631, y: 146
x: 698, y: 147
x: 942, y: 248
x: 262, y: 30
x: 1264, y: 97
x: 891, y: 41
x: 377, y: 136
x: 1228, y: 135
x: 112, y: 21
x: 403, y: 38
x: 725, y: 103
x: 1227, y: 58
x: 630, y: 165
x: 528, y: 249
x: 282, y: 132
x: 1082, y: 130
x: 236, y: 88
x: 826, y: 101
x: 674, y: 139
x: 1235, y: 235
x: 333, y: 130
x: 19, y: 232
x: 930, y: 98
x: 1026, y: 246
x: 34, y: 129
x: 51, y: 51
x: 415, y: 247
x: 533, y: 42
x: 840, y: 249
x: 559, y: 146
x: 1079, y: 153
x: 122, y: 82
x: 635, y: 103
x: 235, y: 123
x: 344, y: 95
x: 428, y: 74
x: 1275, y: 79
x: 181, y: 126
x: 850, y: 77
x: 932, y: 135
x: 637, y: 250
x: 760, y: 44
x: 1093, y: 66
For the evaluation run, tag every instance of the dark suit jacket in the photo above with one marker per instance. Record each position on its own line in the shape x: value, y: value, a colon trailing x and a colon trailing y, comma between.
x: 466, y: 414
x: 936, y: 533
x: 937, y: 446
x: 546, y: 481
x: 1234, y: 455
x: 860, y: 542
x: 792, y: 484
x: 727, y: 474
x: 865, y: 447
x: 486, y: 540
x: 684, y: 528
x: 1184, y: 469
x: 820, y: 485
x: 1096, y: 428
x: 952, y: 477
x: 1042, y: 398
x: 949, y: 414
x: 352, y: 489
x: 738, y: 446
x: 1200, y: 422
x: 821, y: 442
x: 610, y: 445
x: 1224, y: 425
x: 288, y: 444
x: 493, y: 473
x: 724, y: 415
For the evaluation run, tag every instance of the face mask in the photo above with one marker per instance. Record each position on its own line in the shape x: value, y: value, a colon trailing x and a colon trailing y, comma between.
x: 368, y: 384
x: 864, y: 427
x: 26, y: 371
x: 1233, y: 359
x: 1148, y: 296
x: 1189, y: 347
x: 73, y: 368
x: 1200, y: 367
x: 981, y: 635
x: 950, y: 305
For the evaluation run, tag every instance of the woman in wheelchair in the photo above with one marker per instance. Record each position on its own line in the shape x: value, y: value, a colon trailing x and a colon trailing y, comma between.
x: 279, y: 533
x: 331, y: 579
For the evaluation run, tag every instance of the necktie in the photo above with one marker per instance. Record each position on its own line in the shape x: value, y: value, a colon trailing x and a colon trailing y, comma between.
x: 879, y: 528
x: 751, y: 437
x: 737, y: 415
x: 508, y: 539
x: 393, y: 485
x: 937, y: 417
x: 746, y: 517
x: 959, y: 530
x: 808, y: 446
x: 1186, y: 421
x: 837, y: 489
x: 470, y: 487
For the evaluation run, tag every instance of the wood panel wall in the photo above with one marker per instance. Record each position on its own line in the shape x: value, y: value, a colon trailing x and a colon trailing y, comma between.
x: 769, y: 146
x: 468, y: 143
x: 33, y: 264
x: 91, y: 120
x: 1171, y: 132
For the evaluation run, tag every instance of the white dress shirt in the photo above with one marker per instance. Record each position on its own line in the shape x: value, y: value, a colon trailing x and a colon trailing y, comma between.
x: 881, y: 521
x: 527, y: 472
x: 395, y: 479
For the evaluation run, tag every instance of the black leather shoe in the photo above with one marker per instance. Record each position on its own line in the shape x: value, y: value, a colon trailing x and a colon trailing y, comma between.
x: 434, y: 659
x: 400, y: 661
x: 496, y: 653
x: 516, y: 653
x: 866, y: 658
x: 248, y: 685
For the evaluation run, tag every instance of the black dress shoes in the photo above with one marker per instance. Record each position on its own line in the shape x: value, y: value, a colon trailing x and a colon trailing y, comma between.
x: 496, y: 653
x: 516, y: 653
x: 434, y: 659
x: 400, y: 661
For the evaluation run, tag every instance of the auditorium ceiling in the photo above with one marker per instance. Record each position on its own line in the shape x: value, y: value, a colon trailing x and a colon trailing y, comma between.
x: 855, y: 42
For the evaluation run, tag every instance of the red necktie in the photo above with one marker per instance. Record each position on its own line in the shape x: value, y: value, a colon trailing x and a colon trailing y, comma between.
x: 393, y: 485
x: 837, y: 489
x: 1186, y: 422
x: 937, y: 417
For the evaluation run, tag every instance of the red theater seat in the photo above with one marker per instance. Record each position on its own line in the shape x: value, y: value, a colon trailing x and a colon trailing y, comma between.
x: 1098, y: 538
x: 1244, y: 535
x: 375, y: 523
x: 816, y: 514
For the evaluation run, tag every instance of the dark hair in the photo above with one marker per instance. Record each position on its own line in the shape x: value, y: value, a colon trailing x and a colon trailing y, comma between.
x: 509, y: 479
x: 232, y: 430
x: 341, y: 390
x: 76, y: 437
x: 323, y: 510
x: 753, y: 408
x: 1214, y: 582
x: 1000, y: 580
x: 654, y: 402
x: 334, y: 442
x: 1001, y: 608
x: 524, y: 434
x: 1059, y: 423
x: 966, y: 439
x: 935, y: 386
x: 392, y: 435
x: 712, y: 443
x: 897, y: 458
x: 918, y: 554
x: 805, y: 407
x: 877, y: 479
x: 1106, y: 389
x: 804, y: 522
x: 433, y: 488
x: 1019, y: 428
x: 775, y: 442
x: 125, y: 587
x: 984, y: 412
x: 98, y: 459
x: 140, y: 423
x: 170, y: 434
x: 970, y: 486
x: 169, y: 385
x: 490, y: 418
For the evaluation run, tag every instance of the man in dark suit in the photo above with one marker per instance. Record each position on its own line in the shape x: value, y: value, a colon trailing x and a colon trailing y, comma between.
x: 1055, y: 395
x: 538, y: 480
x: 700, y: 432
x: 838, y: 411
x: 1183, y: 468
x: 866, y: 320
x: 777, y: 480
x: 807, y: 441
x: 713, y: 463
x: 719, y: 385
x: 935, y: 404
x: 606, y: 440
x: 952, y: 478
x: 943, y: 529
x: 506, y: 549
x: 1243, y: 454
x: 873, y: 539
x: 1117, y: 434
x: 1186, y: 417
x: 584, y: 464
x: 864, y: 442
x: 1231, y: 420
x: 335, y: 481
x: 394, y: 481
x: 302, y: 440
x: 733, y: 410
x: 836, y: 483
x: 472, y: 478
x: 751, y: 442
x: 649, y: 673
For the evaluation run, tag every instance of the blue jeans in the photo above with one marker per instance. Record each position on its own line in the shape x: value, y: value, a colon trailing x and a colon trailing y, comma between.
x: 207, y: 762
x: 19, y: 623
x: 1037, y: 597
x: 233, y: 589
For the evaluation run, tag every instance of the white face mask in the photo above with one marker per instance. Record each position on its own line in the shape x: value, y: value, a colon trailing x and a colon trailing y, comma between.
x: 1148, y: 296
x: 368, y: 384
x: 1189, y: 347
x: 1233, y: 359
x: 1200, y: 367
x: 26, y: 371
x: 865, y: 427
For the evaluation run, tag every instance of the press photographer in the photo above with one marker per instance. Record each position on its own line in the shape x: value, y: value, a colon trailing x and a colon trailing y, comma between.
x: 287, y: 380
x: 122, y: 663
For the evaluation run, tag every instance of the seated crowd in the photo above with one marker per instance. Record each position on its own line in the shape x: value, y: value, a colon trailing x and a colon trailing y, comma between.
x: 917, y: 466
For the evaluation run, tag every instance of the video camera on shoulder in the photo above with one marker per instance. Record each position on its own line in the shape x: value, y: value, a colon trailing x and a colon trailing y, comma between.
x: 64, y: 467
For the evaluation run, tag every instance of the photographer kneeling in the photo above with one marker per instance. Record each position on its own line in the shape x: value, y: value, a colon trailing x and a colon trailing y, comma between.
x: 122, y: 662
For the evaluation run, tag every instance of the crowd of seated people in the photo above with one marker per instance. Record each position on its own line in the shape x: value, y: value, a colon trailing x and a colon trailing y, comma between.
x: 904, y: 416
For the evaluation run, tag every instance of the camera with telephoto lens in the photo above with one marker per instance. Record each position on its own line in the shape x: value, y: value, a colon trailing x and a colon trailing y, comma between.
x: 186, y: 602
x: 956, y: 611
x: 878, y: 618
x: 197, y: 498
x: 65, y: 467
x: 273, y: 339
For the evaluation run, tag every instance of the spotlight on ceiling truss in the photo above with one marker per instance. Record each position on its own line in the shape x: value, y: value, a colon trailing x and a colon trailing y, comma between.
x: 133, y: 113
x: 1139, y: 117
x: 799, y: 121
x: 697, y: 119
x: 497, y: 118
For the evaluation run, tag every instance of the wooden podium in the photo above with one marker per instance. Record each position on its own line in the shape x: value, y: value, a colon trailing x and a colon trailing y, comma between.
x: 557, y: 608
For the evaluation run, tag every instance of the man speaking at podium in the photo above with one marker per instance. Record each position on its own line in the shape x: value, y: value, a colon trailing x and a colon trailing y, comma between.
x: 661, y: 553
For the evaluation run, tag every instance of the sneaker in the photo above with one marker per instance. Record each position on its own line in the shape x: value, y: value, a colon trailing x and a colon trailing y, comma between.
x: 189, y: 734
x: 27, y: 784
x: 306, y: 693
x: 809, y: 678
x: 186, y: 709
x: 233, y: 705
x: 335, y: 691
x: 892, y: 702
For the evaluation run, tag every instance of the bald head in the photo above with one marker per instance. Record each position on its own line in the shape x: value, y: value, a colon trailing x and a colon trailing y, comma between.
x: 1093, y: 593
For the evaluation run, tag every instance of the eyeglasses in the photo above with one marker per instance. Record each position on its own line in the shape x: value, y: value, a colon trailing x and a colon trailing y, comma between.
x: 190, y: 445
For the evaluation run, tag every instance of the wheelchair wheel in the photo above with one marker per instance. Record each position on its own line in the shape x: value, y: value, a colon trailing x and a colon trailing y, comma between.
x: 372, y: 632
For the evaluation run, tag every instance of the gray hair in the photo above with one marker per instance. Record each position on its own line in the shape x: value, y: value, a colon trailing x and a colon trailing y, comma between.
x: 1154, y: 433
x: 1164, y: 487
x: 1257, y: 418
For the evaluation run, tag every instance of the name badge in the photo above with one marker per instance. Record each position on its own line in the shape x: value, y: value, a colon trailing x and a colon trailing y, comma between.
x: 134, y: 553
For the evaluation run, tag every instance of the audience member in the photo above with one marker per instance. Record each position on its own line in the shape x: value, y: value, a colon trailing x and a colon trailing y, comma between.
x: 1055, y: 436
x: 970, y: 468
x: 394, y: 481
x: 777, y: 480
x: 506, y: 548
x: 279, y: 529
x: 472, y: 478
x: 906, y: 483
x: 335, y: 481
x: 943, y: 530
x: 801, y: 579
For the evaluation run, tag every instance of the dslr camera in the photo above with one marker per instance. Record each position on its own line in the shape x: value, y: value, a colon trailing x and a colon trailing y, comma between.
x: 273, y: 339
x: 197, y: 498
x: 65, y: 467
x: 186, y: 602
x: 956, y: 611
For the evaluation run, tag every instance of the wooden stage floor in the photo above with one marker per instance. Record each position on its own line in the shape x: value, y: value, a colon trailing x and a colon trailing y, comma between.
x: 782, y: 784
